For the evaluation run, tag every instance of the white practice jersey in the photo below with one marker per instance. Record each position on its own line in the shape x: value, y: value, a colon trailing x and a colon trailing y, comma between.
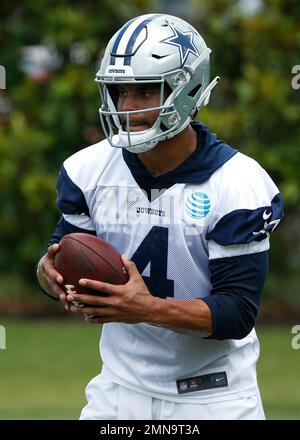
x: 171, y: 239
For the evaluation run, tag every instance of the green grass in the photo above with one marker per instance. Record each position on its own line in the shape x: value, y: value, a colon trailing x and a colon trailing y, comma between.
x: 279, y: 373
x: 47, y: 364
x: 45, y: 368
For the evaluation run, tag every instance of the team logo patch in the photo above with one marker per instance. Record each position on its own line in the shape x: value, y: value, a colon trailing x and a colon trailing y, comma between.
x: 197, y: 205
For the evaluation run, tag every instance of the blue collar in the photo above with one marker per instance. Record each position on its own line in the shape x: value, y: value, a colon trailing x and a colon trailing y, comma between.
x: 209, y: 155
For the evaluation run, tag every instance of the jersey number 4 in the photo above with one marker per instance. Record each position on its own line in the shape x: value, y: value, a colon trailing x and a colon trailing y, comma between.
x: 154, y: 251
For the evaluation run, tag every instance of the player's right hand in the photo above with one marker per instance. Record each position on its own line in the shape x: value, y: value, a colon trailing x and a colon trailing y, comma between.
x: 51, y: 280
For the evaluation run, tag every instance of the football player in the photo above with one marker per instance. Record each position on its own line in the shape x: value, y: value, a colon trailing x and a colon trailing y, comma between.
x: 193, y: 217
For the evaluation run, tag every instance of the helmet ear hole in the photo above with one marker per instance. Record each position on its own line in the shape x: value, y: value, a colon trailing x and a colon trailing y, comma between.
x: 195, y: 90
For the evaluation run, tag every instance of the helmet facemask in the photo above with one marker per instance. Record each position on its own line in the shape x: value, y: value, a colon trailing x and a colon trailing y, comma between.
x: 118, y: 133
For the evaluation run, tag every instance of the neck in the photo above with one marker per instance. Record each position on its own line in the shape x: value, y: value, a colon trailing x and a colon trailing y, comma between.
x: 170, y: 153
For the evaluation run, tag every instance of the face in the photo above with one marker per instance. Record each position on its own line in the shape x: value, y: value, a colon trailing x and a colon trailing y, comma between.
x: 138, y: 97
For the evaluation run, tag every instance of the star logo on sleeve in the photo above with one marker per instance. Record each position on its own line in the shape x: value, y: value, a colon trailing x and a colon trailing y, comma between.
x: 184, y: 42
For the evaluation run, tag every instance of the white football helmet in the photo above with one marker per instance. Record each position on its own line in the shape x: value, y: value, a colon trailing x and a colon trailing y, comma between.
x: 154, y: 48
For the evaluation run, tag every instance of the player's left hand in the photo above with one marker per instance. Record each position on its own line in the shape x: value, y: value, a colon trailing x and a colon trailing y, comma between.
x: 130, y: 303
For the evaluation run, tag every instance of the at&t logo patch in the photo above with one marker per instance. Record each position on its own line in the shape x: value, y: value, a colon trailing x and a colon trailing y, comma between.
x: 197, y: 205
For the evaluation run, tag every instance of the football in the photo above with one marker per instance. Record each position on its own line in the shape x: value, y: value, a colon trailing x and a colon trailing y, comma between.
x: 87, y: 256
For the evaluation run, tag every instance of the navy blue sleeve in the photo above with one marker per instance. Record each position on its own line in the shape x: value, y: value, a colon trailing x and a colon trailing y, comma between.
x: 70, y: 198
x: 246, y: 225
x: 63, y: 228
x: 237, y: 284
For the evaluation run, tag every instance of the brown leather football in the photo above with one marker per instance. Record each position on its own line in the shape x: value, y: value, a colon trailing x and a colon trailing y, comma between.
x: 87, y: 256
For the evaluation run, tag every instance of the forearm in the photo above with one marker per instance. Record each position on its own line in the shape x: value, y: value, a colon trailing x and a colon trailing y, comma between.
x: 237, y: 284
x: 193, y: 315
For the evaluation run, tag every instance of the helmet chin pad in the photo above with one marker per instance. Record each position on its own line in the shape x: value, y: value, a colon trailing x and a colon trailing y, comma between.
x: 139, y: 141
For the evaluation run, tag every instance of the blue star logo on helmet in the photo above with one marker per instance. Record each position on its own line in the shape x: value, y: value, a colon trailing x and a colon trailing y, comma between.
x: 197, y: 205
x: 184, y: 42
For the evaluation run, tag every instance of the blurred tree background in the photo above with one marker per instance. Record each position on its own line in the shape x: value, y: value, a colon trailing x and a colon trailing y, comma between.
x: 51, y: 51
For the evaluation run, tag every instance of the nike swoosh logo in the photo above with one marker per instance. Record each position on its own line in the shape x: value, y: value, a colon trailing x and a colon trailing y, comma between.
x: 159, y: 57
x: 218, y: 379
x: 266, y: 215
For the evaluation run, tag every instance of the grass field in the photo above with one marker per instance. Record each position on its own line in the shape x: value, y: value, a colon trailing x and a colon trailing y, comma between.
x: 278, y: 373
x: 47, y: 364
